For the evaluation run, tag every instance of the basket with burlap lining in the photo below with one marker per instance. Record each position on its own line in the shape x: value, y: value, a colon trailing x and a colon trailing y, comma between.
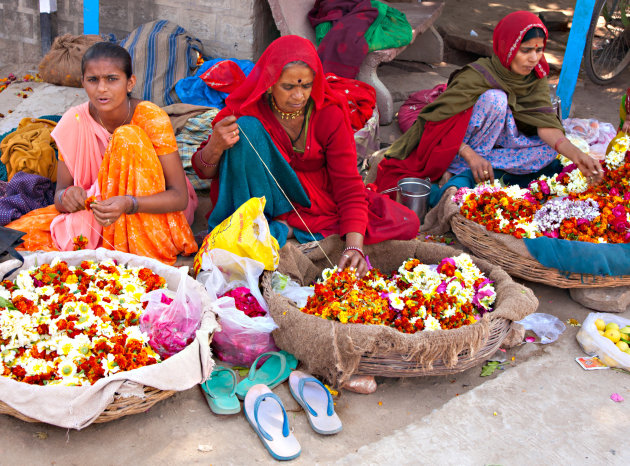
x: 122, y: 393
x: 335, y: 351
x: 506, y: 251
x: 121, y: 406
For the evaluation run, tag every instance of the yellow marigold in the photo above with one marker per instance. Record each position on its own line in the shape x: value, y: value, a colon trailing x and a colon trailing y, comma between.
x: 71, y: 279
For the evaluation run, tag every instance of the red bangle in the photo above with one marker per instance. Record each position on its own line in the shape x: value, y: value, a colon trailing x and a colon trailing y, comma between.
x: 204, y: 163
x: 354, y: 248
x: 558, y: 142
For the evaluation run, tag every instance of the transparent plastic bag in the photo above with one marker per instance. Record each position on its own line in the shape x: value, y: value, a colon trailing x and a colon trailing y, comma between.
x: 171, y: 322
x: 547, y: 327
x: 291, y: 289
x: 241, y: 339
x: 595, y: 344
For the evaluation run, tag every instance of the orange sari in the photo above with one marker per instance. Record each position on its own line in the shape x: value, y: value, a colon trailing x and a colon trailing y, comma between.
x: 125, y: 165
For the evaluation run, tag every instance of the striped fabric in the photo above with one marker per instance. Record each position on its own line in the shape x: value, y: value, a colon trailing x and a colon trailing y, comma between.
x: 194, y: 132
x: 162, y: 54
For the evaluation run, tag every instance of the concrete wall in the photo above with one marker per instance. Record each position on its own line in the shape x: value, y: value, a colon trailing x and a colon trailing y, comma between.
x: 227, y: 28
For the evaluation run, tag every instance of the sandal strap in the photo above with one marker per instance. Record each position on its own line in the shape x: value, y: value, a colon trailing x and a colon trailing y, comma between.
x: 330, y: 408
x: 285, y: 420
x: 283, y: 365
x: 216, y: 370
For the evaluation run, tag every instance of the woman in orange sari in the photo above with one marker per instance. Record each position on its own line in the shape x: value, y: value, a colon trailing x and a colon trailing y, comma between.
x: 120, y: 182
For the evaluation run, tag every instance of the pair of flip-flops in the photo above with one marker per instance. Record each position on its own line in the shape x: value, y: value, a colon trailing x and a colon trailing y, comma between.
x: 267, y: 416
x: 223, y: 393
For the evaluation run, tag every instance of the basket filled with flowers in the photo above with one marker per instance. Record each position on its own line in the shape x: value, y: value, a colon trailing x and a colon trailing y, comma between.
x: 558, y: 230
x: 80, y: 343
x: 423, y: 309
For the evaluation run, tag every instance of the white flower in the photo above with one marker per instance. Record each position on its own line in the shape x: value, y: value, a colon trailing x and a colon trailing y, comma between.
x: 431, y: 324
x: 67, y: 367
x: 109, y: 365
x: 396, y: 301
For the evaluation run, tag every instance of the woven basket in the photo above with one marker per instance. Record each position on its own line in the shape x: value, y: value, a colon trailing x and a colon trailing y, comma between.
x: 121, y: 406
x: 383, y: 360
x: 395, y: 365
x: 477, y: 239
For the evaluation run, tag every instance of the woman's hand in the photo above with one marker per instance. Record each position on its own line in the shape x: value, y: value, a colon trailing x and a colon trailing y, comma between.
x: 73, y: 198
x: 480, y: 167
x: 589, y: 167
x: 108, y: 211
x: 224, y: 135
x: 353, y: 259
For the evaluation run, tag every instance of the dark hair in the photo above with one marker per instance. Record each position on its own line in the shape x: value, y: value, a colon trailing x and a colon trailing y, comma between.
x: 533, y: 33
x: 108, y: 50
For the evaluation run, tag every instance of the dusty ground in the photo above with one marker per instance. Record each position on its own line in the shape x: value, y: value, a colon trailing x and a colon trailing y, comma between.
x: 548, y: 410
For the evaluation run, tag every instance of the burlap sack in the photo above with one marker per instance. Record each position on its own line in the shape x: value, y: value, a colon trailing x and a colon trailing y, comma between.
x: 78, y: 407
x: 333, y: 350
x: 62, y: 64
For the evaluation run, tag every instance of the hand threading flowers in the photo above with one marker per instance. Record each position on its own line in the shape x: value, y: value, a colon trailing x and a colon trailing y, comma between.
x: 417, y: 297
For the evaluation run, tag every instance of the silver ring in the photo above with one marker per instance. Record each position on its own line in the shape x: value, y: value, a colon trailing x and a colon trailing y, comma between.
x: 234, y: 133
x: 346, y: 255
x: 485, y: 172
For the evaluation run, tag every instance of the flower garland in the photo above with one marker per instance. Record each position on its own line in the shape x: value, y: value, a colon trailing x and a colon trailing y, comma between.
x: 417, y: 297
x: 562, y: 206
x: 67, y: 325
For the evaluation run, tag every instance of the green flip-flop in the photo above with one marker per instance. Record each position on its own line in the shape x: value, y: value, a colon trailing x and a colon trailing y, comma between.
x: 219, y: 391
x: 275, y: 370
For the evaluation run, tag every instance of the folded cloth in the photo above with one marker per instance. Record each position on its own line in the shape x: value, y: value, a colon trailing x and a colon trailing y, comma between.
x: 180, y: 113
x: 361, y: 98
x: 31, y: 149
x: 25, y: 192
x: 580, y: 257
x: 193, y: 90
x: 192, y: 134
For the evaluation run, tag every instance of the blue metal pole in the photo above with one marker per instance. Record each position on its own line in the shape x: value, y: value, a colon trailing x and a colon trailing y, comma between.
x: 90, y: 17
x: 573, y: 53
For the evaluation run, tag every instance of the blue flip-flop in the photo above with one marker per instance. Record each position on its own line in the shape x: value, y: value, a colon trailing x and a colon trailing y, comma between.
x: 266, y: 414
x: 275, y: 370
x: 219, y: 391
x: 317, y: 401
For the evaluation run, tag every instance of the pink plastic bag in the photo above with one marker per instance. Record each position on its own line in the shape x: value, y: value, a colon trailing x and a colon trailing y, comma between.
x: 171, y: 323
x: 409, y: 111
x: 241, y: 338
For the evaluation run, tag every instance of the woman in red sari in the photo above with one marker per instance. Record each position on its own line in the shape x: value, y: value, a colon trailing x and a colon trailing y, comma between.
x: 284, y: 126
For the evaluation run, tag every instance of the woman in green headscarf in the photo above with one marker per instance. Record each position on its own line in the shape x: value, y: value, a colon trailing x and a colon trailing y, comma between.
x: 495, y: 114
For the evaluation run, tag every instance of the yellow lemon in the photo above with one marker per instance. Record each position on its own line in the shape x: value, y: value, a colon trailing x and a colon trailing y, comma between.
x: 612, y: 334
x: 625, y: 329
x: 600, y: 324
x: 622, y: 345
x: 601, y: 332
x: 610, y: 325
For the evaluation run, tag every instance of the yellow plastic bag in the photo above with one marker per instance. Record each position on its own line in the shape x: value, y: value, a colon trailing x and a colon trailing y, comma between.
x: 244, y: 233
x: 614, y: 143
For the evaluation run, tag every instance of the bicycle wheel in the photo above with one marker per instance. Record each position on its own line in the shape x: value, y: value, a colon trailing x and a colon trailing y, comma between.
x: 607, y: 50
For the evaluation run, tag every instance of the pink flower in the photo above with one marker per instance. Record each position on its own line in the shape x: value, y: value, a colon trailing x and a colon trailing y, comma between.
x: 544, y: 188
x: 530, y: 339
x: 619, y: 224
x: 618, y: 210
x: 626, y: 197
x: 165, y: 299
x: 551, y: 234
x: 614, y: 192
x: 616, y: 397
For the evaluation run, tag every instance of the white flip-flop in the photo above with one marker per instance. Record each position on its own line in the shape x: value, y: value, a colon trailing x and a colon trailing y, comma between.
x: 266, y: 414
x: 316, y: 400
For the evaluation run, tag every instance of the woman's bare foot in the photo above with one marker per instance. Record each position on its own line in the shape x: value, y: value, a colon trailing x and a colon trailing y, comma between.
x: 445, y: 177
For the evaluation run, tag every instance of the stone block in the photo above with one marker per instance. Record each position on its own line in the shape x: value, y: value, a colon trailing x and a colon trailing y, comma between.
x: 612, y: 299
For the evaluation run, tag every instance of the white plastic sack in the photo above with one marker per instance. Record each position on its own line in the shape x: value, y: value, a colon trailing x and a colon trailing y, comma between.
x: 595, y: 344
x: 291, y: 289
x: 547, y: 327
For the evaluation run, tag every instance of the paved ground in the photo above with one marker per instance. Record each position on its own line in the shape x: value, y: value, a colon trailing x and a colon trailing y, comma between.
x: 548, y: 410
